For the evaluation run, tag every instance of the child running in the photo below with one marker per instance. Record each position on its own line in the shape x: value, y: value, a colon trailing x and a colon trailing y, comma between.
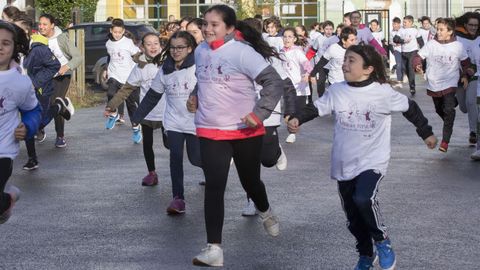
x: 41, y: 66
x: 362, y: 106
x: 445, y: 58
x: 121, y: 50
x: 298, y: 69
x: 142, y: 76
x: 16, y: 95
x: 176, y: 79
x: 229, y: 118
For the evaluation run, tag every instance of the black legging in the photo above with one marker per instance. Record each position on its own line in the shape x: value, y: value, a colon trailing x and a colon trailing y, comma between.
x: 61, y: 85
x: 270, y: 147
x: 5, y: 173
x: 216, y: 156
x: 147, y: 133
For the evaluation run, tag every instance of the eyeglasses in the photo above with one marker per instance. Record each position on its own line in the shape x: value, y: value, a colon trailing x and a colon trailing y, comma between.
x: 179, y: 48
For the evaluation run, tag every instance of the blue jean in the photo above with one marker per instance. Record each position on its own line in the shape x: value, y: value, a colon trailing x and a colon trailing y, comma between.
x: 399, y: 63
x: 176, y: 142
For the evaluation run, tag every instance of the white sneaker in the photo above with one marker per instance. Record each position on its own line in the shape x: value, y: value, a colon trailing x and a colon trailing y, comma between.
x: 282, y: 161
x: 291, y: 138
x: 270, y: 222
x: 398, y: 85
x: 249, y: 209
x: 212, y: 255
x: 476, y: 155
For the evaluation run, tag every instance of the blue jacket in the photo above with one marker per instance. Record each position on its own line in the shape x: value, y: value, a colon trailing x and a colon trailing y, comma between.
x: 41, y: 65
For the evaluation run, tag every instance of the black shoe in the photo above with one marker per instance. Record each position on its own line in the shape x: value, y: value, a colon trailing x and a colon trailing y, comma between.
x: 413, y: 92
x: 32, y: 164
x: 66, y: 107
x: 472, y: 139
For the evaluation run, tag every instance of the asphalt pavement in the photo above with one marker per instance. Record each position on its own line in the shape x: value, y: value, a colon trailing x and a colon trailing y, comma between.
x: 85, y: 208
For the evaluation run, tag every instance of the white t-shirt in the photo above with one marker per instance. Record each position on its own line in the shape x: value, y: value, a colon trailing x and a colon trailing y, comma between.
x: 409, y: 34
x: 16, y: 92
x: 143, y: 77
x: 364, y: 35
x: 121, y: 62
x: 177, y: 87
x: 276, y: 63
x: 475, y: 51
x: 327, y: 43
x: 296, y: 66
x: 226, y: 92
x: 443, y: 64
x: 468, y: 46
x: 396, y: 47
x: 335, y: 55
x: 425, y: 34
x: 317, y: 45
x: 361, y: 139
x: 378, y: 36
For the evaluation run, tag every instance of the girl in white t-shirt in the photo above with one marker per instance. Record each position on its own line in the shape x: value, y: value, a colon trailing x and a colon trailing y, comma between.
x: 229, y: 117
x: 142, y: 76
x: 446, y: 57
x: 176, y: 79
x: 298, y: 69
x: 16, y: 95
x: 362, y: 106
x: 121, y: 50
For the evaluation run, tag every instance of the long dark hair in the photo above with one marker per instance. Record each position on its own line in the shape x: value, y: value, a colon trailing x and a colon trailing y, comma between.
x: 159, y: 59
x: 252, y: 36
x: 20, y: 41
x: 371, y: 58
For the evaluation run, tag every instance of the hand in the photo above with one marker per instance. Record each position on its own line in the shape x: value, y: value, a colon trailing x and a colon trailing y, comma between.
x: 464, y: 81
x: 293, y: 125
x: 286, y: 119
x: 305, y: 78
x: 313, y: 80
x: 249, y: 121
x: 192, y: 104
x: 20, y: 132
x: 63, y: 69
x: 105, y: 75
x: 431, y: 141
x: 419, y: 69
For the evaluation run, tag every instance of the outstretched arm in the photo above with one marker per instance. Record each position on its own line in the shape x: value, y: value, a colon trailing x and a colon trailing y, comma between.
x: 415, y: 115
x: 149, y: 102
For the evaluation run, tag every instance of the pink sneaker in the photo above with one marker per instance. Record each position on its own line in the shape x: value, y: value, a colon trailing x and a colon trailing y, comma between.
x: 177, y: 206
x: 150, y: 180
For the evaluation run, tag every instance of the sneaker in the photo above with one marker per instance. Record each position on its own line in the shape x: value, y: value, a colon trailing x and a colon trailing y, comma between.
x: 366, y: 262
x: 476, y: 155
x: 150, y: 180
x: 40, y: 136
x: 443, y: 146
x: 249, y: 209
x: 413, y: 92
x: 60, y: 142
x: 32, y: 164
x: 212, y: 255
x: 67, y: 110
x: 177, y: 206
x: 270, y: 222
x: 14, y: 193
x: 137, y: 134
x: 282, y: 160
x: 472, y: 138
x: 111, y: 120
x: 121, y: 120
x: 386, y: 255
x: 398, y: 85
x: 291, y: 138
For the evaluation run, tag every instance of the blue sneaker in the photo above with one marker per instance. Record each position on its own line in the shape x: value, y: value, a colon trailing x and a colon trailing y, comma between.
x: 386, y: 254
x: 366, y: 263
x: 137, y: 134
x: 111, y: 120
x: 60, y: 142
